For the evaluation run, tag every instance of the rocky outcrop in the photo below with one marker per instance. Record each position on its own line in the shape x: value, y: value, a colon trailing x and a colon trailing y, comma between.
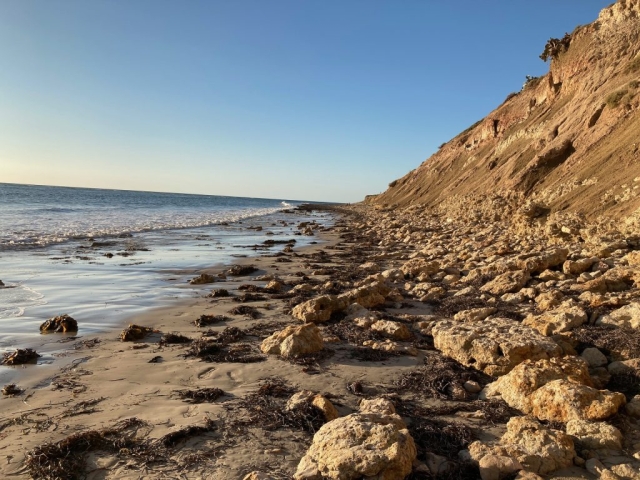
x: 562, y: 319
x: 373, y: 443
x: 595, y: 435
x: 294, y: 340
x: 495, y: 345
x: 535, y: 447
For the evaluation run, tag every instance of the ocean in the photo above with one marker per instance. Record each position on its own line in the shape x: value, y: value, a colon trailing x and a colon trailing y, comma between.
x: 103, y: 255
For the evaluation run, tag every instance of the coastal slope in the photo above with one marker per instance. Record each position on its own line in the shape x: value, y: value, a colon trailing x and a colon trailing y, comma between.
x: 569, y: 140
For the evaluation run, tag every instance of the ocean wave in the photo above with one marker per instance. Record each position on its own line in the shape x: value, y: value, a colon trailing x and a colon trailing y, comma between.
x: 15, y: 298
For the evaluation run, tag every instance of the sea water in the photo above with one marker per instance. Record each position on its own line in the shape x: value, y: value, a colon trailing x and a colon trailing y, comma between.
x: 103, y: 255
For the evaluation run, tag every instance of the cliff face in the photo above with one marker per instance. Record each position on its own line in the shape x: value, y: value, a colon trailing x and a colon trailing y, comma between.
x: 569, y: 141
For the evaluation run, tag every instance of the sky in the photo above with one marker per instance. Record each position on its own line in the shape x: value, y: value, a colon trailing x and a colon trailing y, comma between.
x: 312, y: 100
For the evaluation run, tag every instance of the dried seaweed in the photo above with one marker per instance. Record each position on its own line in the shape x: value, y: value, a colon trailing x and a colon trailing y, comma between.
x: 366, y: 354
x: 439, y: 437
x: 250, y: 297
x: 11, y: 390
x: 611, y: 340
x: 206, y: 320
x: 218, y: 352
x: 626, y: 383
x: 219, y: 293
x: 200, y: 395
x: 442, y: 377
x: 174, y: 338
x: 245, y: 310
x: 172, y: 439
x: 20, y: 356
x: 350, y: 332
x: 456, y: 471
x: 264, y: 329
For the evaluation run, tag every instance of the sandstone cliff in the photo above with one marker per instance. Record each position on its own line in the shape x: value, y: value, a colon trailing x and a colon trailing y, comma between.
x: 569, y: 141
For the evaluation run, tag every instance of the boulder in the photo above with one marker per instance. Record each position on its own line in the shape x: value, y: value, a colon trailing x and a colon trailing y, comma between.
x: 633, y: 407
x: 495, y: 345
x: 537, y: 263
x: 594, y: 357
x: 595, y: 435
x: 625, y: 367
x: 379, y: 405
x: 535, y: 447
x: 203, y: 279
x: 419, y: 266
x: 61, y: 323
x: 371, y: 444
x: 508, y: 282
x: 394, y: 330
x: 625, y: 317
x: 294, y: 340
x: 498, y: 467
x: 564, y: 318
x: 557, y: 390
x: 274, y: 286
x: 318, y: 309
x: 579, y: 266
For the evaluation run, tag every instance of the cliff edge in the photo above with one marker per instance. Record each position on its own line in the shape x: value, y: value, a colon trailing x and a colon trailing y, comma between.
x: 568, y: 141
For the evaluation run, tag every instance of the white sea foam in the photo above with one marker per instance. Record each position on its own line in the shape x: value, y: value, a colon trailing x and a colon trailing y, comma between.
x: 15, y: 298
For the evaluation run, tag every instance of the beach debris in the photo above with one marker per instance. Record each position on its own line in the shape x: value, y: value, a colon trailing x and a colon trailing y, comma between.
x: 200, y: 395
x: 294, y: 340
x: 206, y: 320
x: 241, y: 270
x: 174, y: 338
x: 245, y: 310
x: 172, y: 439
x: 223, y: 348
x: 203, y: 279
x: 62, y: 323
x: 219, y: 293
x: 156, y: 359
x: 135, y: 332
x: 20, y: 356
x: 11, y: 389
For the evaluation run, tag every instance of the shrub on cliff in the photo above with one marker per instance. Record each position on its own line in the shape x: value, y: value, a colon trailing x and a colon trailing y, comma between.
x: 555, y: 46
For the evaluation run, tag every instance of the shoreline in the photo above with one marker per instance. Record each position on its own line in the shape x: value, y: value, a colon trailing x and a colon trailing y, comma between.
x: 222, y: 406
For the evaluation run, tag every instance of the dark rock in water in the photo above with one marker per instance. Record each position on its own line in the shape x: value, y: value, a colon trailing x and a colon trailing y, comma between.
x: 1, y: 284
x: 102, y: 244
x: 219, y: 292
x: 108, y: 255
x: 59, y: 324
x: 11, y: 390
x: 238, y: 270
x: 202, y: 279
x: 20, y: 357
x: 134, y: 332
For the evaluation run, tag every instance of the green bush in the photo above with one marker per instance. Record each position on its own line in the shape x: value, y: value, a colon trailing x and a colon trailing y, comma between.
x: 614, y: 99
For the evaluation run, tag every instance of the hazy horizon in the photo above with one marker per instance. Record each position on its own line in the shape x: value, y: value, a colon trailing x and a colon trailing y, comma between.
x: 318, y: 101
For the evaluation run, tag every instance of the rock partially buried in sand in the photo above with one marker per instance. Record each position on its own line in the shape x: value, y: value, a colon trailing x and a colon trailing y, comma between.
x: 62, y: 323
x: 294, y: 340
x: 371, y: 445
x: 240, y: 270
x: 20, y: 357
x: 306, y: 397
x: 135, y: 332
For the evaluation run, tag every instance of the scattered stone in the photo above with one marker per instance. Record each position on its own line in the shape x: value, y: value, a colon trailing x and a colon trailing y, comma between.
x: 59, y: 324
x: 20, y: 356
x: 219, y: 293
x: 419, y: 266
x: 393, y: 330
x: 508, y: 282
x: 135, y: 332
x: 203, y: 279
x: 293, y: 341
x: 625, y: 317
x: 562, y: 319
x: 474, y: 314
x: 391, y: 347
x: 241, y: 270
x: 306, y: 397
x: 595, y: 435
x: 594, y: 357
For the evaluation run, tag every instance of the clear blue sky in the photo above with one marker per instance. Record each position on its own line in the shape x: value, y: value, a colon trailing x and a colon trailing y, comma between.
x: 306, y: 99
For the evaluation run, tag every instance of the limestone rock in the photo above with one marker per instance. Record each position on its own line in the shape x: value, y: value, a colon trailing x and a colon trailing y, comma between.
x: 548, y: 300
x: 562, y: 319
x: 306, y: 397
x: 394, y: 330
x: 633, y: 258
x: 419, y: 266
x: 508, y: 282
x: 517, y: 386
x: 495, y: 345
x: 625, y: 317
x: 391, y: 347
x: 370, y: 267
x: 474, y: 314
x: 294, y: 340
x: 595, y: 435
x: 274, y: 286
x: 379, y: 405
x: 319, y: 309
x: 537, y: 448
x: 372, y: 445
x: 563, y: 400
x: 370, y: 294
x: 594, y: 357
x: 579, y: 266
x: 633, y: 407
x: 536, y: 263
x: 497, y: 467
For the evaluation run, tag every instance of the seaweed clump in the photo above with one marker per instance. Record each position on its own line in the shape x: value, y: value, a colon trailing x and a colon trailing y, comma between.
x: 135, y: 332
x: 174, y: 338
x: 206, y: 320
x: 20, y: 357
x: 245, y: 310
x: 200, y: 395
